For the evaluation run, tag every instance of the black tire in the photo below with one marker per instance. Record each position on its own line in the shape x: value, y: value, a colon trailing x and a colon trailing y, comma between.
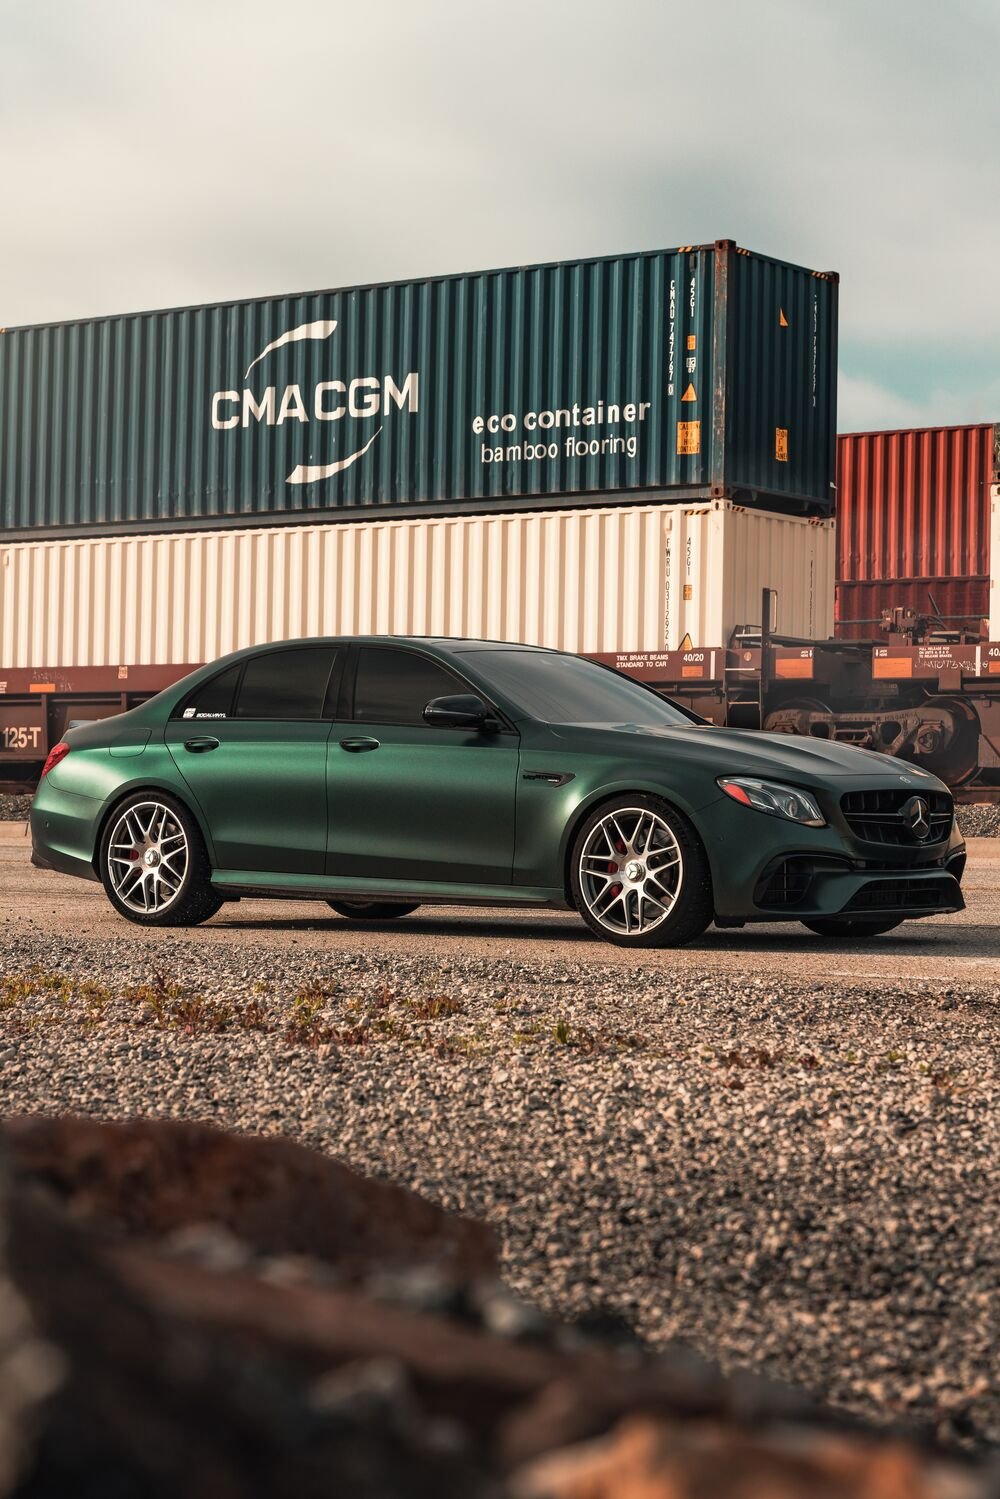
x: 371, y: 910
x: 855, y: 928
x: 692, y: 907
x: 193, y: 900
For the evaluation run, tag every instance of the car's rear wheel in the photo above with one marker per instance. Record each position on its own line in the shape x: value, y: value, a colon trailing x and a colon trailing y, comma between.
x: 153, y: 863
x: 640, y: 876
x: 855, y: 927
x: 371, y: 910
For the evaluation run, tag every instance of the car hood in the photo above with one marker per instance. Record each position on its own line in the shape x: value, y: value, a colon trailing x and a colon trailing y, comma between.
x: 749, y: 752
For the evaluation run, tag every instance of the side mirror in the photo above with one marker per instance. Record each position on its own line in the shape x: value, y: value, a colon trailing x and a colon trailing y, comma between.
x: 464, y: 711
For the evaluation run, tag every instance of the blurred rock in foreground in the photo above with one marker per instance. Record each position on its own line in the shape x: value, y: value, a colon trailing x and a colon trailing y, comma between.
x: 187, y: 1313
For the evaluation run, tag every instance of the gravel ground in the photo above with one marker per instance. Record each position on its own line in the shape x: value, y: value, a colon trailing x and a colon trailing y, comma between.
x: 797, y: 1177
x: 981, y: 820
x: 14, y: 808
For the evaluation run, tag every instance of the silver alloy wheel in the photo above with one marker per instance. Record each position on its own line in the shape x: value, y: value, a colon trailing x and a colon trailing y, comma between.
x: 147, y: 857
x: 631, y: 871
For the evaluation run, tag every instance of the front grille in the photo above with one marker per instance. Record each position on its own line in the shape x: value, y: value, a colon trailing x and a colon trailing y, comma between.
x: 910, y: 895
x: 877, y: 816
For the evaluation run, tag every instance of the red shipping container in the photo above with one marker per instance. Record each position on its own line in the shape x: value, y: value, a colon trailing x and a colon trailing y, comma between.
x: 913, y: 514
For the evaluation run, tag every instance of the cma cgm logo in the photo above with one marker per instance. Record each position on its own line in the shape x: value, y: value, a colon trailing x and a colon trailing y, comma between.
x: 359, y: 399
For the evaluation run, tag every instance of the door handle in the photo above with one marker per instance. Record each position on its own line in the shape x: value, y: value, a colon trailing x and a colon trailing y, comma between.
x: 358, y: 746
x: 201, y: 746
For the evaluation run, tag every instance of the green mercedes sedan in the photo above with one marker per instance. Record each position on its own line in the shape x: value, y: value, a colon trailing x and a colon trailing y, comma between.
x: 383, y: 773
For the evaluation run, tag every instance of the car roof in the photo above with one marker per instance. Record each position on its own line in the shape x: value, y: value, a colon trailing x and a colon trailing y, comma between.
x: 445, y: 644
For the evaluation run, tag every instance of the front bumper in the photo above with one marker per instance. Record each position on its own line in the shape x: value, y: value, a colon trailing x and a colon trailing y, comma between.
x: 798, y: 886
x: 766, y: 869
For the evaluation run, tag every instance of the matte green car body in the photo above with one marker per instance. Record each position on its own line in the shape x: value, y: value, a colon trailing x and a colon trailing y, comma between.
x: 467, y: 816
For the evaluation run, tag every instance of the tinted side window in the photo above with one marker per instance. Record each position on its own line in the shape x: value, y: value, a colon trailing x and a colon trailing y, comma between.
x: 214, y: 698
x: 557, y: 688
x: 396, y: 686
x: 286, y: 684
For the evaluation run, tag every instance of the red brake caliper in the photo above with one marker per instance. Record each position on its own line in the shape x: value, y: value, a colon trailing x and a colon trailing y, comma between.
x: 616, y: 889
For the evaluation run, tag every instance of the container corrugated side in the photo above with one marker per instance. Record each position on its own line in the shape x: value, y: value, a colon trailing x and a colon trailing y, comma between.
x: 914, y: 504
x: 593, y: 581
x: 720, y: 557
x: 961, y: 602
x: 698, y: 372
x: 781, y: 340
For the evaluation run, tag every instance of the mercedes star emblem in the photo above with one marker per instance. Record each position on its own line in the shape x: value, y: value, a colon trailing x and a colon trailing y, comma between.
x: 916, y: 815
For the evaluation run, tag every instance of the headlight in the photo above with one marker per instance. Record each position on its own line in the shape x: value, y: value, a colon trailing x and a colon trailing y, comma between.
x: 771, y: 797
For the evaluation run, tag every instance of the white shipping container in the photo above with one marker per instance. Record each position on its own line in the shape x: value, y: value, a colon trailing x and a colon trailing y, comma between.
x: 718, y: 558
x: 621, y: 578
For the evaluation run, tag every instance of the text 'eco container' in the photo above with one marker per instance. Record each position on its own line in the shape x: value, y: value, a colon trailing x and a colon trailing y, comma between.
x: 703, y: 372
x: 619, y: 579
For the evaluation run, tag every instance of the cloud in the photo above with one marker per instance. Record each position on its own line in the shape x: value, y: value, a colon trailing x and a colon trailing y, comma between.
x: 867, y: 405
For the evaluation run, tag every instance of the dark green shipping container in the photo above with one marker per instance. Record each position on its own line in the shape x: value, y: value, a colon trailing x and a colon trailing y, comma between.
x: 676, y: 374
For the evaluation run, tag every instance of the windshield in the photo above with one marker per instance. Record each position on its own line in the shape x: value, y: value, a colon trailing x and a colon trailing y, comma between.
x: 567, y: 689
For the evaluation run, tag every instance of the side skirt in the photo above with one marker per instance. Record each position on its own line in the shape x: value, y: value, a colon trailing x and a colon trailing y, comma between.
x: 243, y: 882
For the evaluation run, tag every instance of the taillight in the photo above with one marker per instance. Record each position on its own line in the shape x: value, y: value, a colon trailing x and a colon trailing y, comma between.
x: 56, y: 753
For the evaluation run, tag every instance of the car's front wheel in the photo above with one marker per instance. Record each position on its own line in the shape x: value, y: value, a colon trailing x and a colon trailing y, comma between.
x: 153, y: 863
x: 640, y: 876
x: 854, y: 927
x: 371, y: 910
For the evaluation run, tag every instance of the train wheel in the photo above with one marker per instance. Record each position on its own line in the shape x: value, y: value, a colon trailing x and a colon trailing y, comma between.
x: 959, y: 760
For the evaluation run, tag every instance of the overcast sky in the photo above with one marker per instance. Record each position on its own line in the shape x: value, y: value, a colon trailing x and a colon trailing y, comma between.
x: 156, y: 154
